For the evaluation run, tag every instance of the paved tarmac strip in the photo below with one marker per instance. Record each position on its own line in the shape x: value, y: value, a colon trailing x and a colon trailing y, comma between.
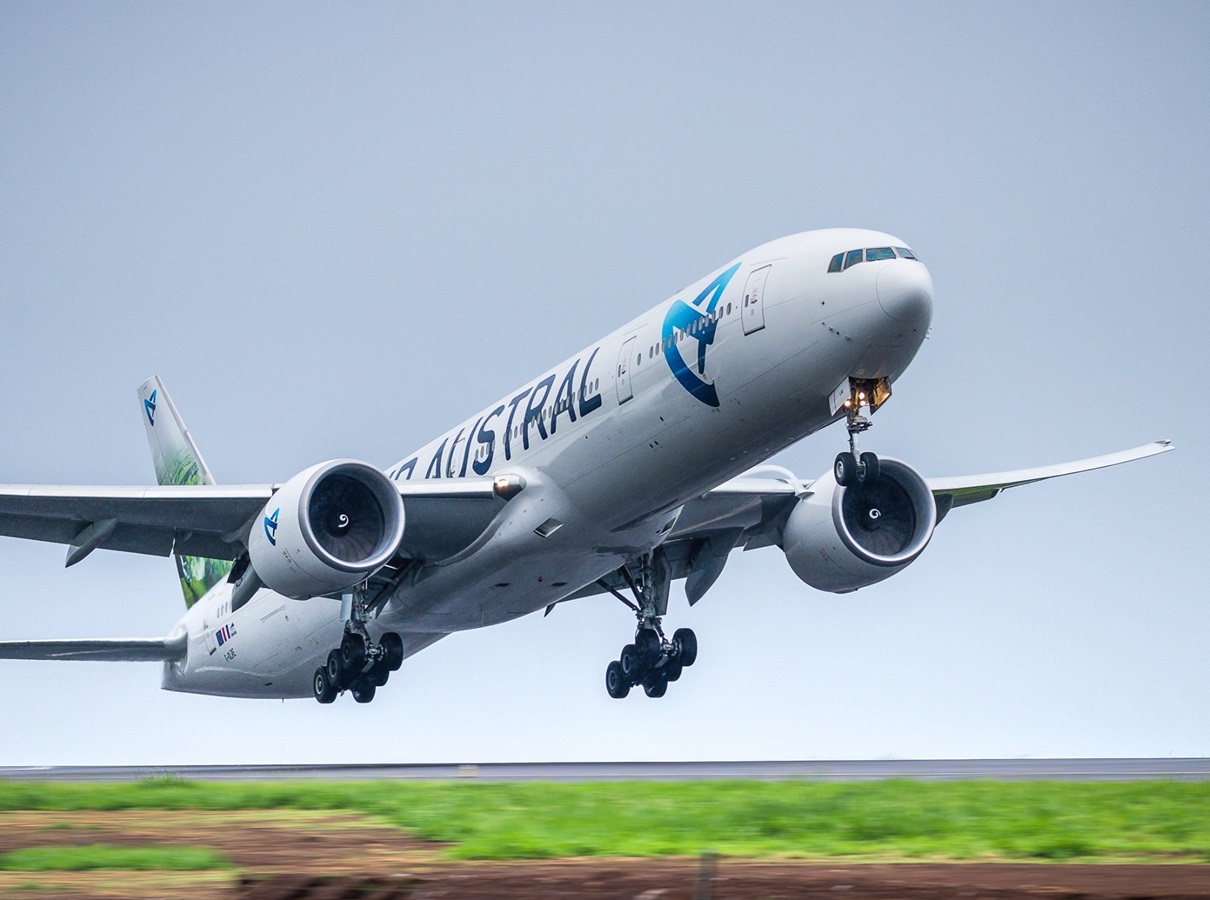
x: 1164, y: 769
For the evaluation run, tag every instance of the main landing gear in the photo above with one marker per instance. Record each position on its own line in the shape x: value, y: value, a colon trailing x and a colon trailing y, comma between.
x: 652, y: 660
x: 359, y: 665
x: 853, y: 467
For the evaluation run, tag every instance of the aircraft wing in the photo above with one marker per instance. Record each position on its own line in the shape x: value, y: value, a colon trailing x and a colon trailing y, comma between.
x: 750, y: 511
x: 966, y: 489
x: 213, y: 520
x: 100, y: 650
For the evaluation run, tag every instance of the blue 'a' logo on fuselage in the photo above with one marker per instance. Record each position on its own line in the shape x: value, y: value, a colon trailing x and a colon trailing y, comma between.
x: 271, y: 526
x: 697, y: 321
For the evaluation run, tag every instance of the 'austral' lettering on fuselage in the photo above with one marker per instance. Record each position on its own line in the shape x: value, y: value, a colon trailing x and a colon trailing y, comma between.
x: 696, y: 320
x: 576, y: 404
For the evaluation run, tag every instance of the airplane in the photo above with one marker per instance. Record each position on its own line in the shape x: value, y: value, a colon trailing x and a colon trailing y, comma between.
x: 633, y: 463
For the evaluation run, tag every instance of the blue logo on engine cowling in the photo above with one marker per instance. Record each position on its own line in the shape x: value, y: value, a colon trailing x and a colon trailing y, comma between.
x: 695, y: 320
x: 271, y: 526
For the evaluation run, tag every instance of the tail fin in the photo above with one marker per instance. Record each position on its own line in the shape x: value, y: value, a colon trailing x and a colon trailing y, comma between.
x: 177, y: 461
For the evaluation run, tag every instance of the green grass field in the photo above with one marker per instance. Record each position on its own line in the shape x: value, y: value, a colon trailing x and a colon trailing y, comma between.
x: 103, y: 856
x: 875, y: 820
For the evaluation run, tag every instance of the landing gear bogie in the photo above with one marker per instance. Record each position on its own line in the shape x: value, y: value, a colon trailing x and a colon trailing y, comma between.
x: 652, y: 661
x: 359, y: 664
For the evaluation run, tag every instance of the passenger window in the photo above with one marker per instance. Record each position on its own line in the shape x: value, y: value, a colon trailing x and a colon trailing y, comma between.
x: 905, y: 252
x: 852, y: 258
x: 879, y: 253
x: 834, y: 265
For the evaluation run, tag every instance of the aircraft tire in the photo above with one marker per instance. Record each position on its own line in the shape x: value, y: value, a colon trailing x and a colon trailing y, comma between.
x: 647, y: 642
x: 379, y: 673
x: 673, y: 670
x: 686, y: 643
x: 363, y: 690
x: 845, y: 469
x: 616, y: 684
x: 868, y: 469
x: 335, y: 668
x: 393, y: 644
x: 325, y: 691
x: 630, y: 662
x: 352, y: 653
x: 657, y: 686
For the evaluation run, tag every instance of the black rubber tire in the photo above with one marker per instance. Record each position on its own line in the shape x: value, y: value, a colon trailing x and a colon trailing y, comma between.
x: 685, y: 642
x: 868, y: 468
x: 648, y: 644
x: 657, y: 686
x: 617, y: 685
x: 363, y: 690
x: 352, y: 653
x: 845, y: 469
x: 335, y: 669
x: 379, y: 673
x: 673, y: 670
x: 631, y: 663
x: 393, y: 645
x: 325, y: 691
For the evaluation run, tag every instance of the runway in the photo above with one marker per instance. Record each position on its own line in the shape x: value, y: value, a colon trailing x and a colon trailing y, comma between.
x: 1162, y: 769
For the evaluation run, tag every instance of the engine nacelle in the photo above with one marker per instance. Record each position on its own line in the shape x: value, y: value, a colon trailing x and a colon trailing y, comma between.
x: 840, y: 539
x: 326, y: 529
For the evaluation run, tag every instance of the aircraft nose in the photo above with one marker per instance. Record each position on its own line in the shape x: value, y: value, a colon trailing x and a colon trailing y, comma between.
x: 905, y: 290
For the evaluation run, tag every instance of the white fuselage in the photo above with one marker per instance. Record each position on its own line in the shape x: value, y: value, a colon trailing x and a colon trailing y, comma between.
x: 611, y: 443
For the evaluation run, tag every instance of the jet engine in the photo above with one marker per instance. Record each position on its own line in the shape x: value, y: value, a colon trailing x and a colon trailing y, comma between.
x: 839, y: 539
x: 326, y: 529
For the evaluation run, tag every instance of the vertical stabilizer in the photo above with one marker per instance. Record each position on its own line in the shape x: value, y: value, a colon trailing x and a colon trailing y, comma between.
x: 177, y: 461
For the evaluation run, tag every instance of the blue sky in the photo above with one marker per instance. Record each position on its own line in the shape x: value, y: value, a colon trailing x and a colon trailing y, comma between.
x: 336, y: 231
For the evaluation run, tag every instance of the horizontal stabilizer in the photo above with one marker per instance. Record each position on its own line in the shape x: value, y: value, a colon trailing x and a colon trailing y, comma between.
x: 98, y: 650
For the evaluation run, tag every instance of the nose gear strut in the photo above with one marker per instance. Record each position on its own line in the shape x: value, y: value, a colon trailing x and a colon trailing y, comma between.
x: 653, y: 660
x: 854, y: 467
x: 360, y: 664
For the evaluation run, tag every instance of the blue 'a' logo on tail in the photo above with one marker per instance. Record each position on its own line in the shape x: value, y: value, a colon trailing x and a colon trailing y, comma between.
x: 271, y: 526
x: 149, y: 408
x: 695, y: 320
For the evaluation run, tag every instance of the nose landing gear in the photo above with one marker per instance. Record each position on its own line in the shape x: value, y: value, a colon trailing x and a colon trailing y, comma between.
x: 652, y: 661
x: 359, y: 665
x: 853, y: 467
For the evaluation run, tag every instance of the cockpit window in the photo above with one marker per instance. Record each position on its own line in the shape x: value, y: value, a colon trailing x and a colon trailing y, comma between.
x: 842, y: 261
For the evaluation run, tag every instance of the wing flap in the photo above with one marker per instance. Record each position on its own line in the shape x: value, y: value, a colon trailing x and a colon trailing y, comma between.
x: 98, y: 650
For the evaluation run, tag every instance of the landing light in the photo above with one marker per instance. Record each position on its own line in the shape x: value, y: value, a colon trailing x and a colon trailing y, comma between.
x: 507, y: 486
